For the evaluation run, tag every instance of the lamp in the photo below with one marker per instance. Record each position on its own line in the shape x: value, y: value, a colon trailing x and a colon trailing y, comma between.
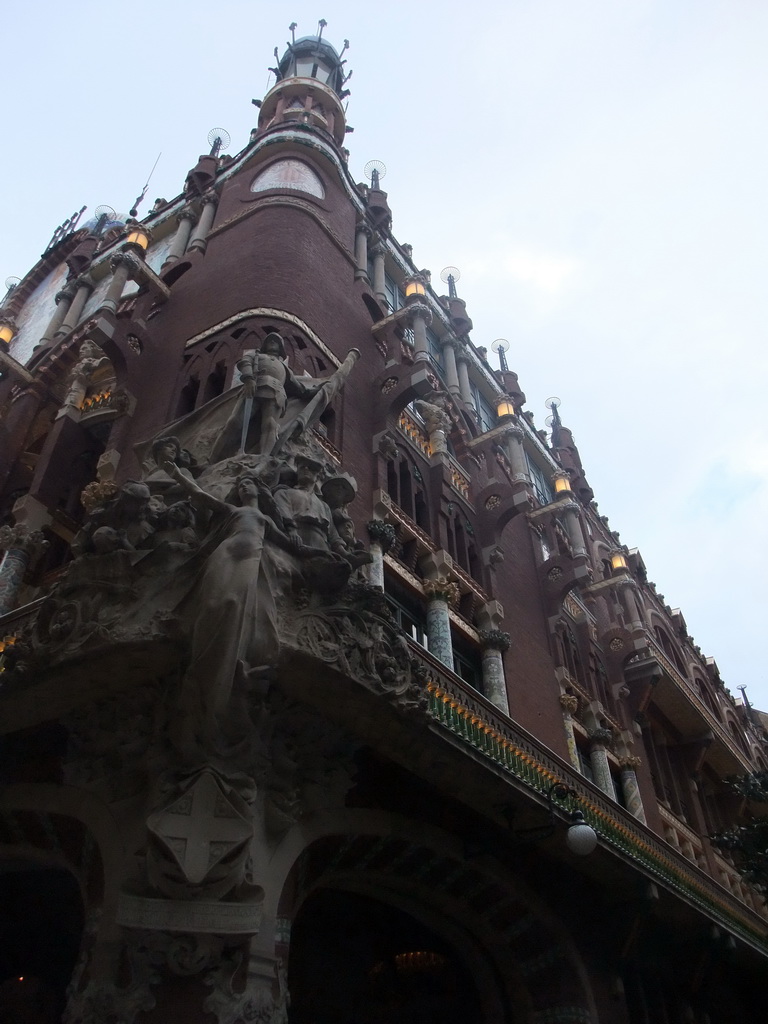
x: 414, y: 289
x: 504, y: 407
x: 138, y: 237
x: 7, y: 330
x: 580, y: 838
x: 562, y: 482
x: 618, y: 561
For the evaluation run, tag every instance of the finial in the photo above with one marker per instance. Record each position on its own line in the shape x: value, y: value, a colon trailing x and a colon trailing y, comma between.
x: 292, y: 30
x: 554, y: 421
x: 321, y: 25
x: 218, y: 139
x: 449, y: 276
x: 375, y: 170
x: 501, y: 347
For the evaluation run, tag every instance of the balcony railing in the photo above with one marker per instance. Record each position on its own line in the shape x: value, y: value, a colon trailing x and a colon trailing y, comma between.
x: 482, y: 727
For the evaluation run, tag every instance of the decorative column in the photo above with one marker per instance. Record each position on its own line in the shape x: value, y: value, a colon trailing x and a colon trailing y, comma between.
x: 185, y: 219
x: 438, y: 424
x: 419, y: 318
x: 598, y: 758
x: 20, y: 545
x: 629, y: 787
x: 72, y: 318
x: 123, y: 266
x: 494, y: 643
x: 462, y: 362
x: 440, y: 593
x: 449, y: 346
x: 362, y: 234
x: 64, y: 300
x: 379, y: 251
x: 199, y: 241
x: 570, y: 510
x: 513, y: 438
x: 629, y: 600
x: 382, y: 538
x: 569, y: 702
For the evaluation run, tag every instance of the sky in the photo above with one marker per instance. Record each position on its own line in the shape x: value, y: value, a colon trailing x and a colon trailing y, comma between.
x: 596, y: 169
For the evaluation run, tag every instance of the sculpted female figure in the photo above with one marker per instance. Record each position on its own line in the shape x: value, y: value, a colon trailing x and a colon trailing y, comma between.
x: 230, y: 611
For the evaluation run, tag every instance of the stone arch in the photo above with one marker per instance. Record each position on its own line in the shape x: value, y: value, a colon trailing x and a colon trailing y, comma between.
x: 59, y: 829
x: 520, y: 955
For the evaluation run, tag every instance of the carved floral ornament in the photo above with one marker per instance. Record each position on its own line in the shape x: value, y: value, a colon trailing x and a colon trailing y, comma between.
x: 382, y: 533
x: 441, y: 588
x: 569, y: 702
x: 495, y: 640
x: 630, y: 762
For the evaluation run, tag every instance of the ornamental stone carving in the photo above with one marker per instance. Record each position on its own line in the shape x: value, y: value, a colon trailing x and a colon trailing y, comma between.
x: 125, y: 259
x: 495, y: 639
x: 569, y: 702
x: 441, y: 589
x: 419, y: 311
x: 383, y: 534
x: 601, y: 737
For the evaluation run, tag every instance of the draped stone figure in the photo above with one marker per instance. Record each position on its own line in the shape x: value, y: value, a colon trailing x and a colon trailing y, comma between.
x: 230, y: 609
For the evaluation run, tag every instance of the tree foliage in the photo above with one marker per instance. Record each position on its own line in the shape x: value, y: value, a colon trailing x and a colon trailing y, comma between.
x: 748, y: 842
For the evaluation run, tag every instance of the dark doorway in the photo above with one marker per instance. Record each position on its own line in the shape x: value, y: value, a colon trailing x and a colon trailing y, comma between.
x: 41, y: 925
x: 354, y: 960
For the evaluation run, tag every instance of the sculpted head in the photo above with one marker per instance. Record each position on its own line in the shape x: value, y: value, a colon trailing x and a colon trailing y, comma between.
x: 307, y: 470
x: 273, y: 345
x: 166, y: 449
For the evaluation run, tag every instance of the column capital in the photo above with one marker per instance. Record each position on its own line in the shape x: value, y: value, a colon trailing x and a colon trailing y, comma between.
x: 516, y: 431
x: 630, y: 762
x: 569, y: 702
x: 210, y: 197
x: 67, y: 293
x: 361, y: 228
x: 601, y: 737
x: 125, y: 259
x: 441, y: 589
x: 449, y: 341
x: 378, y: 249
x: 186, y: 213
x: 495, y: 640
x: 462, y: 352
x: 381, y: 533
x: 418, y: 310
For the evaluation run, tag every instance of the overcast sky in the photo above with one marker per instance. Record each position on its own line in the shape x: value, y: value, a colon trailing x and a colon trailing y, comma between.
x: 596, y: 169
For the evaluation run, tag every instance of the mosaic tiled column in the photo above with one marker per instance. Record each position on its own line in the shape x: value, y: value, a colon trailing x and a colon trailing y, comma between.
x: 570, y: 705
x: 629, y: 787
x: 494, y: 643
x: 379, y: 278
x: 598, y: 758
x: 199, y: 241
x: 362, y: 234
x: 440, y: 593
x: 20, y: 545
x: 382, y: 538
x: 185, y: 219
x: 420, y: 317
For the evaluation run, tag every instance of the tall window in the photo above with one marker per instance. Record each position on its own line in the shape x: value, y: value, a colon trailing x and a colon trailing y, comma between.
x: 486, y: 415
x: 410, y: 617
x: 541, y: 487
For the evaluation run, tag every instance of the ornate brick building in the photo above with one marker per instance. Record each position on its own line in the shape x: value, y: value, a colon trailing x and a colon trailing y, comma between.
x: 327, y: 695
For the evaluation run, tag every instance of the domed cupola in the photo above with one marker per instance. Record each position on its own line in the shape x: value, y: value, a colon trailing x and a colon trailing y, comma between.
x: 309, y: 89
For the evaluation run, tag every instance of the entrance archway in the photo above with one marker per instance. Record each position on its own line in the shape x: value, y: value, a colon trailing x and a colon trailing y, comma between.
x: 355, y: 960
x: 41, y: 926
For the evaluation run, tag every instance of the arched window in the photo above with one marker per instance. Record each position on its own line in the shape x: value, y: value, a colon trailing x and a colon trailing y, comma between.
x: 405, y: 486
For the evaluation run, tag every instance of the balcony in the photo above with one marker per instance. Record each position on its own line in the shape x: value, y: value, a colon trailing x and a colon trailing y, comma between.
x: 682, y: 704
x: 490, y: 735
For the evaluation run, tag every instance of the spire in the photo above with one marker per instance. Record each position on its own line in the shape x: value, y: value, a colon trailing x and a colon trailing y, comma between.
x: 310, y: 87
x: 565, y: 451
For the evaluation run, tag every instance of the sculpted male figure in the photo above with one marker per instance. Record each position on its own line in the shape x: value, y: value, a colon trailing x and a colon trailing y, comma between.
x: 308, y: 519
x: 269, y: 382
